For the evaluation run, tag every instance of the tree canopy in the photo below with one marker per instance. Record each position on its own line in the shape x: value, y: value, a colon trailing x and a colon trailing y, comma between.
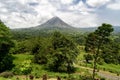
x: 5, y: 45
x: 63, y: 53
x: 96, y: 40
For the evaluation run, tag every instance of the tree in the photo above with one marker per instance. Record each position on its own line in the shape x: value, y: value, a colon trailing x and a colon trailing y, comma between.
x: 111, y: 53
x: 41, y: 50
x: 79, y: 38
x: 5, y: 45
x: 63, y: 53
x: 96, y: 40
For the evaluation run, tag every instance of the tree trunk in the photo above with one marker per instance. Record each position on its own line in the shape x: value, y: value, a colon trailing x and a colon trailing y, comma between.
x: 95, y: 61
x: 94, y: 69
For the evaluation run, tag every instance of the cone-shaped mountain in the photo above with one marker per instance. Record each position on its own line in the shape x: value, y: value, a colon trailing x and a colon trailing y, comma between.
x: 55, y: 22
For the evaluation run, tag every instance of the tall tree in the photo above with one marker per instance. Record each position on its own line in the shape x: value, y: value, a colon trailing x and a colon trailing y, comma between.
x: 63, y: 53
x: 96, y: 40
x: 5, y: 45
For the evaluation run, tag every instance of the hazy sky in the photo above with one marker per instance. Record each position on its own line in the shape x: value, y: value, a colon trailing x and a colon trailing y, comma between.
x: 78, y: 13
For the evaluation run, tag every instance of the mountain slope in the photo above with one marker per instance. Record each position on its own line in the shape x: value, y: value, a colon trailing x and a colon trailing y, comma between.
x: 54, y: 24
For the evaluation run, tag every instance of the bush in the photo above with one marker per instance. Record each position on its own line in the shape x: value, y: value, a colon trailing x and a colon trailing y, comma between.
x: 5, y: 45
x: 100, y: 61
x: 6, y: 74
x: 102, y: 78
x: 24, y: 68
x: 88, y: 57
x: 6, y: 63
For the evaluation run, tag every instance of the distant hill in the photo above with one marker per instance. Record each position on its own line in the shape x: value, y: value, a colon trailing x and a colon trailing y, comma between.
x: 54, y: 24
x: 45, y: 29
x: 116, y: 29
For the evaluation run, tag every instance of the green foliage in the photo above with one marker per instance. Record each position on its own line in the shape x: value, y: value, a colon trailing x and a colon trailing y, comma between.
x: 29, y: 45
x: 6, y: 63
x: 18, y: 58
x: 100, y: 61
x: 79, y: 38
x: 96, y: 40
x: 5, y: 45
x: 88, y: 57
x: 117, y: 39
x: 58, y: 52
x: 41, y: 50
x: 111, y: 53
x: 4, y: 31
x: 22, y: 46
x: 23, y: 68
x: 63, y: 53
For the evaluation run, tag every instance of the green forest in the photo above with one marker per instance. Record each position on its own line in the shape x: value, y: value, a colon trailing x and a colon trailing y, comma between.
x: 59, y: 55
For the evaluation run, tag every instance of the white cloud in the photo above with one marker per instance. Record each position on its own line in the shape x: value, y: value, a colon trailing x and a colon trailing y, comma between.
x: 27, y: 13
x: 1, y: 5
x: 81, y: 7
x: 66, y: 1
x: 97, y: 3
x: 115, y: 5
x: 3, y: 10
x: 21, y: 14
x: 79, y: 18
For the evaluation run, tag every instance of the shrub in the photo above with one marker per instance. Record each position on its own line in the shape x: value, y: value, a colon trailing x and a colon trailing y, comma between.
x: 88, y: 57
x: 24, y: 68
x: 6, y: 63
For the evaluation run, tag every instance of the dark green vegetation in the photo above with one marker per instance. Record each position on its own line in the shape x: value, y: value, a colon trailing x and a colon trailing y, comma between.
x: 58, y: 51
x: 95, y: 41
x: 5, y: 45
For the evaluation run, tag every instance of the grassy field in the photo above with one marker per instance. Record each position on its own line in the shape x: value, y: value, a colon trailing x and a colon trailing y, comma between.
x: 107, y: 67
x: 39, y: 70
x: 110, y: 67
x: 19, y: 58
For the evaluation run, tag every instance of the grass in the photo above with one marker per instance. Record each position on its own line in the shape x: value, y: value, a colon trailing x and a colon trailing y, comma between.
x: 107, y: 67
x: 80, y: 57
x: 1, y: 78
x: 113, y: 68
x: 13, y: 78
x: 110, y: 67
x: 19, y: 58
x: 39, y: 70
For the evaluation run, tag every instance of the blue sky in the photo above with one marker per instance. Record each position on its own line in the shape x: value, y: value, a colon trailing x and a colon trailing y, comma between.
x: 78, y: 13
